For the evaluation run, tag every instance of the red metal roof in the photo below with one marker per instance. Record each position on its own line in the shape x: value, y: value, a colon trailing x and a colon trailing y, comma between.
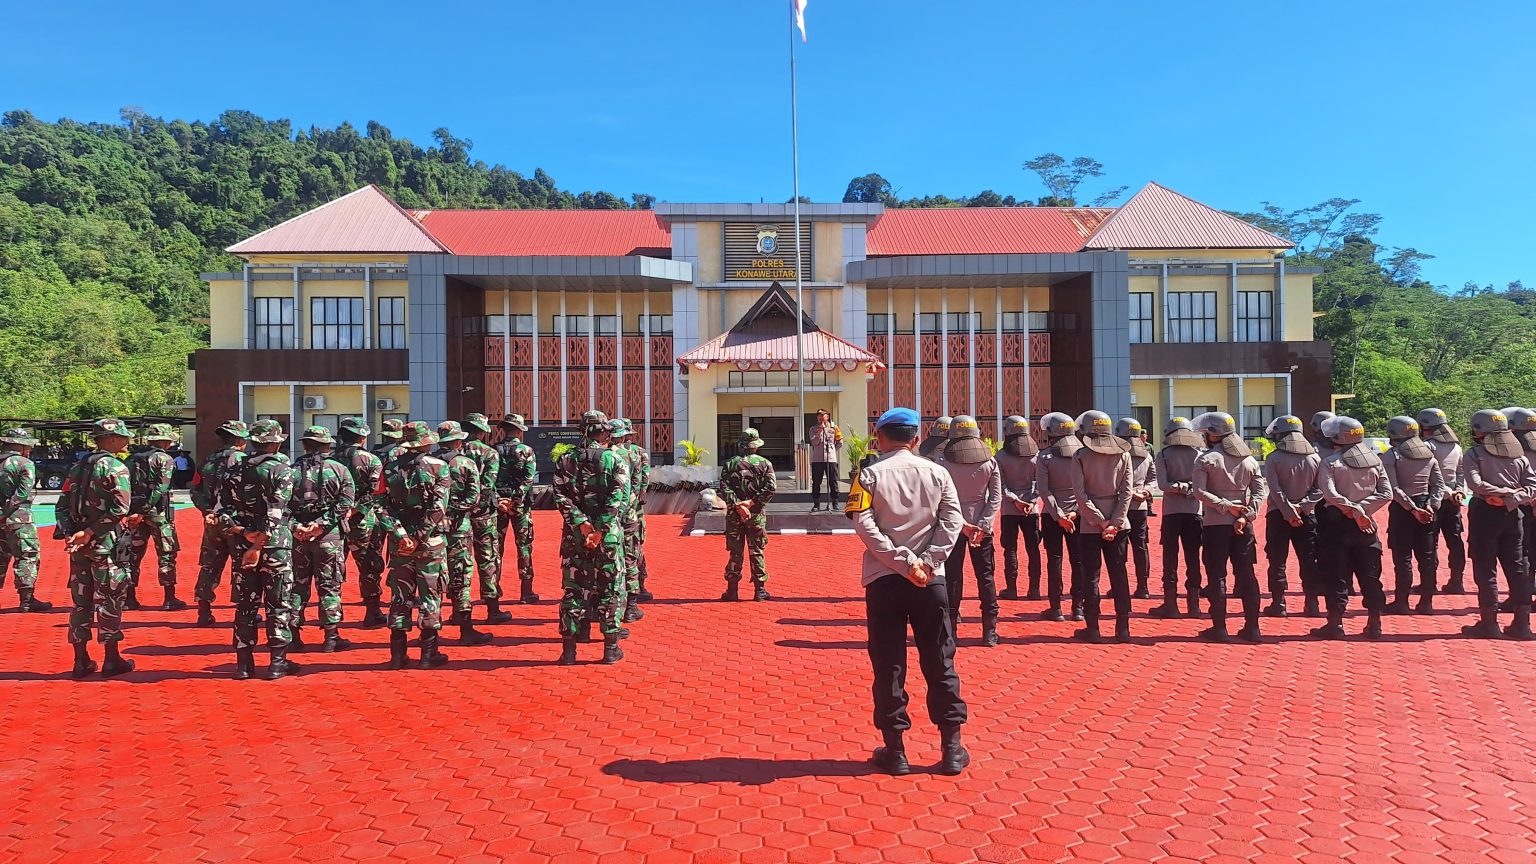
x: 365, y: 221
x: 759, y: 350
x: 549, y: 232
x: 1159, y: 218
x: 983, y: 230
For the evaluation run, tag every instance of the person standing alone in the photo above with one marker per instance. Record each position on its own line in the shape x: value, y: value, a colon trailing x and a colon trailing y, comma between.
x: 825, y: 440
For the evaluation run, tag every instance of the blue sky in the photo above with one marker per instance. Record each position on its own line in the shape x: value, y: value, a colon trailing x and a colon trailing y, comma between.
x: 1422, y: 110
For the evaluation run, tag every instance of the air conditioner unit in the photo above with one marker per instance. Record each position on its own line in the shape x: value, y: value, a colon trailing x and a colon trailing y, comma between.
x: 314, y: 403
x: 384, y: 404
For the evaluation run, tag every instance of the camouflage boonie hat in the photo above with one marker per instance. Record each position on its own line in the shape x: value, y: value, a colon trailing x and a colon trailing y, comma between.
x: 18, y: 436
x: 236, y: 428
x: 478, y: 422
x: 750, y: 439
x: 450, y: 430
x: 594, y: 421
x: 392, y: 429
x: 109, y: 426
x: 620, y: 428
x: 355, y: 426
x: 267, y: 432
x: 417, y: 434
x: 516, y: 421
x: 318, y: 434
x: 159, y: 432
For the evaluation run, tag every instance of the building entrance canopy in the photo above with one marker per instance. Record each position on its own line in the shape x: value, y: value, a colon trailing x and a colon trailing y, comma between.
x: 765, y: 340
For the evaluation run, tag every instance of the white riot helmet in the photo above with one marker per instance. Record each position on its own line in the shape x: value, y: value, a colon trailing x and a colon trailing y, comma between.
x: 1181, y: 433
x: 965, y: 446
x: 1491, y: 428
x: 1288, y: 433
x: 1220, y: 424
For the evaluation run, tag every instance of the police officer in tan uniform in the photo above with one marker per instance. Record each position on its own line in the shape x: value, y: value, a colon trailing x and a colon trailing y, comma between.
x: 1417, y: 488
x: 1354, y: 486
x: 1502, y: 481
x: 1435, y: 428
x: 1101, y: 483
x: 1227, y: 480
x: 1143, y: 482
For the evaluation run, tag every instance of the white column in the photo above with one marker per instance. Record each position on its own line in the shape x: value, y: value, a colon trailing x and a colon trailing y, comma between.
x: 367, y: 412
x: 1231, y: 303
x: 1029, y: 336
x: 618, y: 357
x: 591, y: 352
x: 645, y: 356
x: 298, y: 311
x: 565, y: 387
x: 534, y: 298
x: 944, y: 350
x: 917, y: 350
x: 890, y: 347
x: 367, y: 311
x: 506, y: 351
x: 1168, y: 400
x: 1162, y: 300
x: 970, y: 318
x: 997, y: 354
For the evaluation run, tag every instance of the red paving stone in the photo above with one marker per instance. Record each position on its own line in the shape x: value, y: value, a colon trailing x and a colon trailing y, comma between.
x: 738, y: 733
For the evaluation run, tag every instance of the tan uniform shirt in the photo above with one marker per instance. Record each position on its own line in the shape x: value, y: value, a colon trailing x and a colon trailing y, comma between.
x: 1102, y: 485
x: 904, y: 509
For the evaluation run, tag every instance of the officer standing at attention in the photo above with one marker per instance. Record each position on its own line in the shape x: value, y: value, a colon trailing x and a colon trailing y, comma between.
x: 1417, y: 488
x: 623, y: 441
x: 484, y: 521
x: 979, y: 486
x: 825, y: 441
x: 364, y: 540
x: 1021, y: 506
x: 592, y: 491
x: 1182, y: 523
x: 464, y: 499
x: 324, y: 496
x: 1291, y: 520
x: 906, y: 513
x: 1522, y: 422
x: 263, y: 571
x: 514, y: 502
x: 747, y: 484
x: 415, y: 518
x: 938, y: 434
x: 211, y: 495
x: 89, y: 517
x: 18, y: 534
x: 1228, y: 482
x: 1101, y: 483
x: 1354, y: 486
x: 151, y: 518
x: 1058, y: 512
x: 1143, y: 480
x: 1435, y: 428
x: 1320, y: 440
x: 1502, y: 483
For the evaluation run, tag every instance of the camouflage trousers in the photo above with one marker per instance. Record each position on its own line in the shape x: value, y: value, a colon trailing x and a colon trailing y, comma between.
x: 265, y: 589
x: 416, y: 582
x: 162, y: 534
x: 98, y: 585
x: 518, y: 524
x: 18, y: 542
x: 365, y: 543
x: 593, y: 584
x: 217, y: 549
x: 486, y: 533
x: 318, y: 564
x: 461, y: 562
x: 634, y: 555
x: 749, y: 536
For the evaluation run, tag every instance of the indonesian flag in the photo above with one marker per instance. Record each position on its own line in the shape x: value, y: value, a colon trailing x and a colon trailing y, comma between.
x: 799, y: 7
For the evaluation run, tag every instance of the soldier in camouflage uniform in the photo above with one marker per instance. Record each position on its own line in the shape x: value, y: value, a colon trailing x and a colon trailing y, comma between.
x: 390, y: 432
x: 514, y: 492
x: 324, y: 498
x: 151, y: 518
x: 464, y: 498
x: 364, y: 542
x: 592, y: 493
x: 484, y: 519
x: 263, y: 535
x: 634, y: 520
x: 18, y: 536
x: 210, y: 492
x: 90, y: 515
x: 747, y: 484
x: 414, y: 516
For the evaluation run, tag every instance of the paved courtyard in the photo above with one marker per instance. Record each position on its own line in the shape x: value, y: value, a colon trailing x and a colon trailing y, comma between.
x: 739, y: 733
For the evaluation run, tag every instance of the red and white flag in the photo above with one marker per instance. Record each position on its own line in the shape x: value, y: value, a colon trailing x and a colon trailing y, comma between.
x: 799, y: 6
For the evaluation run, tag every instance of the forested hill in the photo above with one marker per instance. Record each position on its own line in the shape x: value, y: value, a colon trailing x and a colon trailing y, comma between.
x: 104, y: 228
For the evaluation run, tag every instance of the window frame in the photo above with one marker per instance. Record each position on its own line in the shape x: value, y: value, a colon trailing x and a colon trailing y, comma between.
x: 285, y: 331
x: 1186, y: 325
x: 329, y: 326
x: 1142, y: 318
x: 1246, y: 322
x: 389, y: 334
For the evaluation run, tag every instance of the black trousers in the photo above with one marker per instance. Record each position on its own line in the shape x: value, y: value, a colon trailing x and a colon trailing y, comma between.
x: 1346, y: 553
x: 1528, y: 549
x: 890, y: 604
x: 1408, y: 540
x: 1180, y: 530
x: 1221, y: 548
x: 1496, y: 536
x: 829, y: 471
x: 1448, y: 520
x: 1100, y: 555
x: 983, y: 562
x: 1059, y: 543
x: 1141, y: 556
x: 1011, y: 526
x: 1279, y: 539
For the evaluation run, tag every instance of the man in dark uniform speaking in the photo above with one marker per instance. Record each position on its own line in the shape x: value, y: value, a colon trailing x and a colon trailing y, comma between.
x: 905, y: 510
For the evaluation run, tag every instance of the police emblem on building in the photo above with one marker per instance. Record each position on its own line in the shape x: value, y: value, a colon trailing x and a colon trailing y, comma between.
x: 767, y: 239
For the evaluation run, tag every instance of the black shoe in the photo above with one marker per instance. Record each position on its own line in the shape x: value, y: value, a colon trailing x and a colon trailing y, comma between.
x: 1034, y: 589
x: 333, y: 641
x: 1520, y: 628
x: 1169, y: 609
x: 955, y: 757
x: 1251, y: 635
x: 84, y: 665
x: 1123, y: 632
x: 296, y: 643
x: 1008, y: 594
x: 989, y: 633
x: 1077, y: 611
x: 205, y: 615
x: 1052, y: 614
x: 1332, y: 630
x: 645, y: 596
x: 633, y: 613
x: 1507, y: 606
x: 1276, y: 608
x: 373, y: 618
x: 245, y: 664
x: 892, y: 761
x: 1372, y: 627
x: 1425, y: 606
x: 1314, y: 608
x: 494, y: 615
x: 468, y: 635
x: 431, y: 658
x: 397, y: 647
x: 525, y: 593
x: 1214, y: 634
x: 1397, y: 607
x: 731, y: 594
x: 30, y: 603
x: 280, y: 666
x: 1486, y: 628
x: 172, y: 602
x: 116, y: 666
x: 1192, y: 604
x: 760, y: 593
x: 612, y: 653
x: 815, y: 508
x: 1454, y: 586
x: 1088, y: 634
x: 1141, y: 593
x: 567, y: 653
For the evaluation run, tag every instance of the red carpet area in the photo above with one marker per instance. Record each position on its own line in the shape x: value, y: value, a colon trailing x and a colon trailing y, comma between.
x: 739, y: 733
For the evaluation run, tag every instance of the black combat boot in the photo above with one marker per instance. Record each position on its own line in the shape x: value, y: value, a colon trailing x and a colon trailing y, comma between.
x: 1276, y: 607
x: 1052, y: 613
x: 1215, y: 633
x: 584, y: 632
x: 1034, y: 587
x: 1250, y: 633
x: 1508, y: 605
x: 84, y: 665
x: 1010, y: 576
x: 372, y: 617
x: 1077, y: 610
x: 989, y: 631
x: 494, y: 615
x: 1456, y: 585
x: 892, y: 758
x: 1314, y: 607
x: 245, y: 664
x: 131, y: 600
x: 612, y: 653
x: 30, y: 603
x: 1123, y: 631
x: 567, y: 652
x: 1334, y: 629
x: 1088, y: 633
x: 1192, y: 603
x: 1168, y: 609
x: 468, y: 635
x: 296, y: 643
x: 955, y: 757
x: 279, y: 666
x: 1372, y: 625
x: 632, y: 611
x: 397, y: 643
x: 333, y: 640
x: 732, y: 593
x: 115, y: 664
x: 1487, y: 626
x: 205, y: 614
x: 760, y: 592
x: 525, y: 593
x: 643, y: 595
x: 172, y: 602
x: 1141, y: 592
x: 431, y: 658
x: 1520, y: 628
x: 1398, y: 606
x: 1425, y: 606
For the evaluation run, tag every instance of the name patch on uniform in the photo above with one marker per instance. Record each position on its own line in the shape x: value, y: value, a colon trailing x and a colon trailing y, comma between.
x: 858, y: 499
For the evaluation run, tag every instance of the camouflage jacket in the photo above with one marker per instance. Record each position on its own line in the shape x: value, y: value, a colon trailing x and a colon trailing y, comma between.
x: 18, y: 481
x: 367, y: 471
x: 487, y: 466
x: 416, y: 497
x: 464, y: 488
x: 748, y: 478
x: 95, y: 498
x: 149, y: 478
x: 263, y: 492
x: 211, y: 484
x: 518, y: 472
x: 639, y: 477
x: 323, y: 491
x: 387, y: 454
x: 592, y: 485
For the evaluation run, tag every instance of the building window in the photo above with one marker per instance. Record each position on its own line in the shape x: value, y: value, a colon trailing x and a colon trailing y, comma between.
x: 1191, y: 316
x: 1141, y: 319
x: 1256, y: 419
x: 813, y: 378
x: 929, y: 322
x: 1190, y: 412
x: 274, y: 323
x: 661, y: 325
x: 336, y: 322
x: 879, y: 322
x: 1254, y: 318
x: 496, y: 325
x: 1039, y: 322
x: 391, y: 322
x: 607, y: 325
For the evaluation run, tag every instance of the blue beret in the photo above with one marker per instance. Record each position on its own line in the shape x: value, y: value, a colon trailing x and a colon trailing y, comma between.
x: 897, y: 417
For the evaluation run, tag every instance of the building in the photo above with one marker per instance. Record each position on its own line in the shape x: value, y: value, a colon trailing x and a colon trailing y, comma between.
x: 682, y: 318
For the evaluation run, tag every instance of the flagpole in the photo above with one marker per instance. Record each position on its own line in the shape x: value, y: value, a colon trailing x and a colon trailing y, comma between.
x: 794, y: 147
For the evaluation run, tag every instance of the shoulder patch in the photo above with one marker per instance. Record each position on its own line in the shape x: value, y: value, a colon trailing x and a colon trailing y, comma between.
x: 858, y: 499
